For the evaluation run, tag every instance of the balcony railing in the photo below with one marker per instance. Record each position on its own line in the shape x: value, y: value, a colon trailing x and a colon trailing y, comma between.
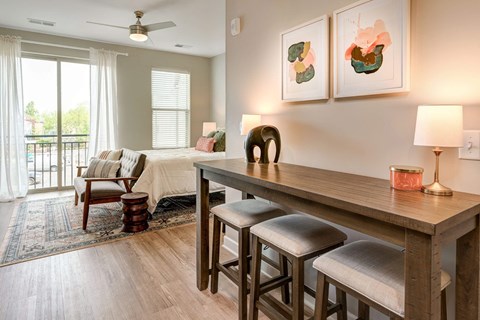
x: 42, y: 159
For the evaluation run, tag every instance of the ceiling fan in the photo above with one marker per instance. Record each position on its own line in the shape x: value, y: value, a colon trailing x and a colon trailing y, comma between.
x: 139, y: 32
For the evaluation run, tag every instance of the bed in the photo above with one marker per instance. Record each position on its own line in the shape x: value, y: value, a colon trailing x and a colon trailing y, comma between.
x: 170, y: 172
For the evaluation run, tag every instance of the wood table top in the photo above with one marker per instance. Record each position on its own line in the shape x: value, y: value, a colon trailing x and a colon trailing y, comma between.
x: 367, y: 196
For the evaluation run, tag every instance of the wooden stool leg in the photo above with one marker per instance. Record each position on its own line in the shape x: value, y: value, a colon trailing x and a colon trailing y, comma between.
x: 283, y: 262
x: 341, y: 299
x: 444, y: 305
x: 243, y: 247
x: 363, y: 311
x: 297, y: 289
x: 255, y: 283
x: 249, y: 250
x: 215, y: 255
x: 321, y: 298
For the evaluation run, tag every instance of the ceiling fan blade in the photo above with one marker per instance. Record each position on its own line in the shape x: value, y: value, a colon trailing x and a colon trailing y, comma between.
x: 107, y: 25
x: 160, y: 25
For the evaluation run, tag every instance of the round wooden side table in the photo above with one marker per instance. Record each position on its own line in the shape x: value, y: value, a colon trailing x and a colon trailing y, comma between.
x: 135, y: 214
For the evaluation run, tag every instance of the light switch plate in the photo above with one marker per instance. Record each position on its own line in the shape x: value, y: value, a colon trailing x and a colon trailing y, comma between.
x: 235, y: 26
x: 471, y: 145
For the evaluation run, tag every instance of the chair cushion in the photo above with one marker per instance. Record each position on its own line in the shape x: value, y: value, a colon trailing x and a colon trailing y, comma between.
x: 100, y: 189
x: 245, y: 213
x: 298, y: 234
x: 372, y: 269
x: 132, y: 163
x: 99, y: 168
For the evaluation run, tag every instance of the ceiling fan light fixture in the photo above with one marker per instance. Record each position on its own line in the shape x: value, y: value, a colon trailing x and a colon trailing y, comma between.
x: 138, y: 33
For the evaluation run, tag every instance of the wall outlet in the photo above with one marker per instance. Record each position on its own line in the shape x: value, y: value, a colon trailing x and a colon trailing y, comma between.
x: 471, y: 145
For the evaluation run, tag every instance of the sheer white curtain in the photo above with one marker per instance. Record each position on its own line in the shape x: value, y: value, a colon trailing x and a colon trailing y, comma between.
x: 13, y: 164
x: 103, y: 101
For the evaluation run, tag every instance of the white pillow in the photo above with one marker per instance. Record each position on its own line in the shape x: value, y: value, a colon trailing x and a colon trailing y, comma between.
x: 99, y: 168
x: 110, y: 154
x: 115, y: 155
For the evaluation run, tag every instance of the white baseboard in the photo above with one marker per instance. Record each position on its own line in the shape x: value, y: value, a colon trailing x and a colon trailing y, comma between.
x: 230, y: 245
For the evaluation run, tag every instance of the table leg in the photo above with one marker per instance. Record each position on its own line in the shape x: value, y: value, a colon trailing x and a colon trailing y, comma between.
x: 247, y: 196
x: 202, y: 247
x: 422, y: 276
x: 467, y: 278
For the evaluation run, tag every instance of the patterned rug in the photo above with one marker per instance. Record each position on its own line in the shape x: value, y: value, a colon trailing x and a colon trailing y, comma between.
x: 51, y: 226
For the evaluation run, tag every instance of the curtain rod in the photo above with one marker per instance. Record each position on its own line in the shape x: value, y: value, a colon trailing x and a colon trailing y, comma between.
x: 66, y: 47
x: 55, y: 55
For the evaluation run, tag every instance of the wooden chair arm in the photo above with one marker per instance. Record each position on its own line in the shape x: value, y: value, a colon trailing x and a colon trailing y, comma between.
x: 125, y: 180
x: 112, y: 179
x: 79, y: 170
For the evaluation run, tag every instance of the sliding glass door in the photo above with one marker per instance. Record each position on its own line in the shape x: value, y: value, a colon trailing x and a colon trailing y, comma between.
x: 56, y: 98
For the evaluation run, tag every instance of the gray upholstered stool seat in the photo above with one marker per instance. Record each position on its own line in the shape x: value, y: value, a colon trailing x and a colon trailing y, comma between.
x: 299, y: 238
x: 298, y: 234
x: 246, y: 213
x: 373, y: 271
x: 240, y: 216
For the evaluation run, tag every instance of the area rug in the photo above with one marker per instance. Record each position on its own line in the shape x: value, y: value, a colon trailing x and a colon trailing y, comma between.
x: 51, y: 226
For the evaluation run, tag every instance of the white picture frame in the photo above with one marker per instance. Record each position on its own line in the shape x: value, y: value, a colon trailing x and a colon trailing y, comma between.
x: 306, y: 77
x: 363, y: 69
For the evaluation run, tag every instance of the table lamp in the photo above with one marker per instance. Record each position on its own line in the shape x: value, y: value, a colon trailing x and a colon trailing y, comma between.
x: 208, y: 127
x: 249, y: 121
x: 438, y: 126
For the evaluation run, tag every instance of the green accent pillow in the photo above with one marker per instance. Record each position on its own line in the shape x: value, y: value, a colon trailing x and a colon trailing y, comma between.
x: 211, y: 134
x: 219, y: 138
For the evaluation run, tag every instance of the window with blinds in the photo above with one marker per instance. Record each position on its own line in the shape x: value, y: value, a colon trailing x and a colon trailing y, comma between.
x: 170, y: 109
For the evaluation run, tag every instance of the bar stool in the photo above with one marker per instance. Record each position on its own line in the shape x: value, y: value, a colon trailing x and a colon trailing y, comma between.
x: 240, y: 216
x: 297, y: 237
x: 372, y: 273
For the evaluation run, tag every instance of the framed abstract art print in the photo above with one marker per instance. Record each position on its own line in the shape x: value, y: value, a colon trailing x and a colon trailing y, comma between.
x: 371, y: 48
x: 305, y: 61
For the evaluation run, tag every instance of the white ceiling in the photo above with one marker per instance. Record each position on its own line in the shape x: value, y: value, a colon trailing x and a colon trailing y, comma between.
x: 200, y: 23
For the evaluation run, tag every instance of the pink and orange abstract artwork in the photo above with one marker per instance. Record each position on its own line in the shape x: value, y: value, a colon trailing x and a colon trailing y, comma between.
x: 371, y: 50
x: 366, y: 52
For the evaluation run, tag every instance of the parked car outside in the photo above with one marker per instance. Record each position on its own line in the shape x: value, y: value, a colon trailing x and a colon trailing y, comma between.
x: 34, y: 177
x: 46, y: 162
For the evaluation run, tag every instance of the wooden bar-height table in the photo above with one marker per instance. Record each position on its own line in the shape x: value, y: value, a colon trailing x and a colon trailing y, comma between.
x: 414, y: 220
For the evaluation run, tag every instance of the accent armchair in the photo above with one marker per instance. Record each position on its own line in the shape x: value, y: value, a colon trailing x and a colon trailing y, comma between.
x: 104, y: 190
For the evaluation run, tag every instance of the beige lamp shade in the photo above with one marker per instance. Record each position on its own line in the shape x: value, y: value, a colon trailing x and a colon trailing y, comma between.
x: 249, y: 121
x: 208, y: 127
x: 439, y: 126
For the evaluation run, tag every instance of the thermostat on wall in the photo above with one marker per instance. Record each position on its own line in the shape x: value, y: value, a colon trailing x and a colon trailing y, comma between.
x: 235, y: 26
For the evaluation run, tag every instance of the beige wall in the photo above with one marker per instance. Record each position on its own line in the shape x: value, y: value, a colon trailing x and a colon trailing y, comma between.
x: 134, y: 91
x: 218, y: 90
x: 358, y: 135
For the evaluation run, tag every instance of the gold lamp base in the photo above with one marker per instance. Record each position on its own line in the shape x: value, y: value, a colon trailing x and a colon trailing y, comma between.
x: 437, y: 189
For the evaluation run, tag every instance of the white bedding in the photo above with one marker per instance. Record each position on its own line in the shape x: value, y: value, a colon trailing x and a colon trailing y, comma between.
x: 170, y: 172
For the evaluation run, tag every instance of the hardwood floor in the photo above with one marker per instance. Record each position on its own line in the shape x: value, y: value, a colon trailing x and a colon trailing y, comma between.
x: 148, y: 276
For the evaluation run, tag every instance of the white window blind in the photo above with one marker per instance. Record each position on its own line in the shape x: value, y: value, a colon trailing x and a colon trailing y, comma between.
x: 170, y: 109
